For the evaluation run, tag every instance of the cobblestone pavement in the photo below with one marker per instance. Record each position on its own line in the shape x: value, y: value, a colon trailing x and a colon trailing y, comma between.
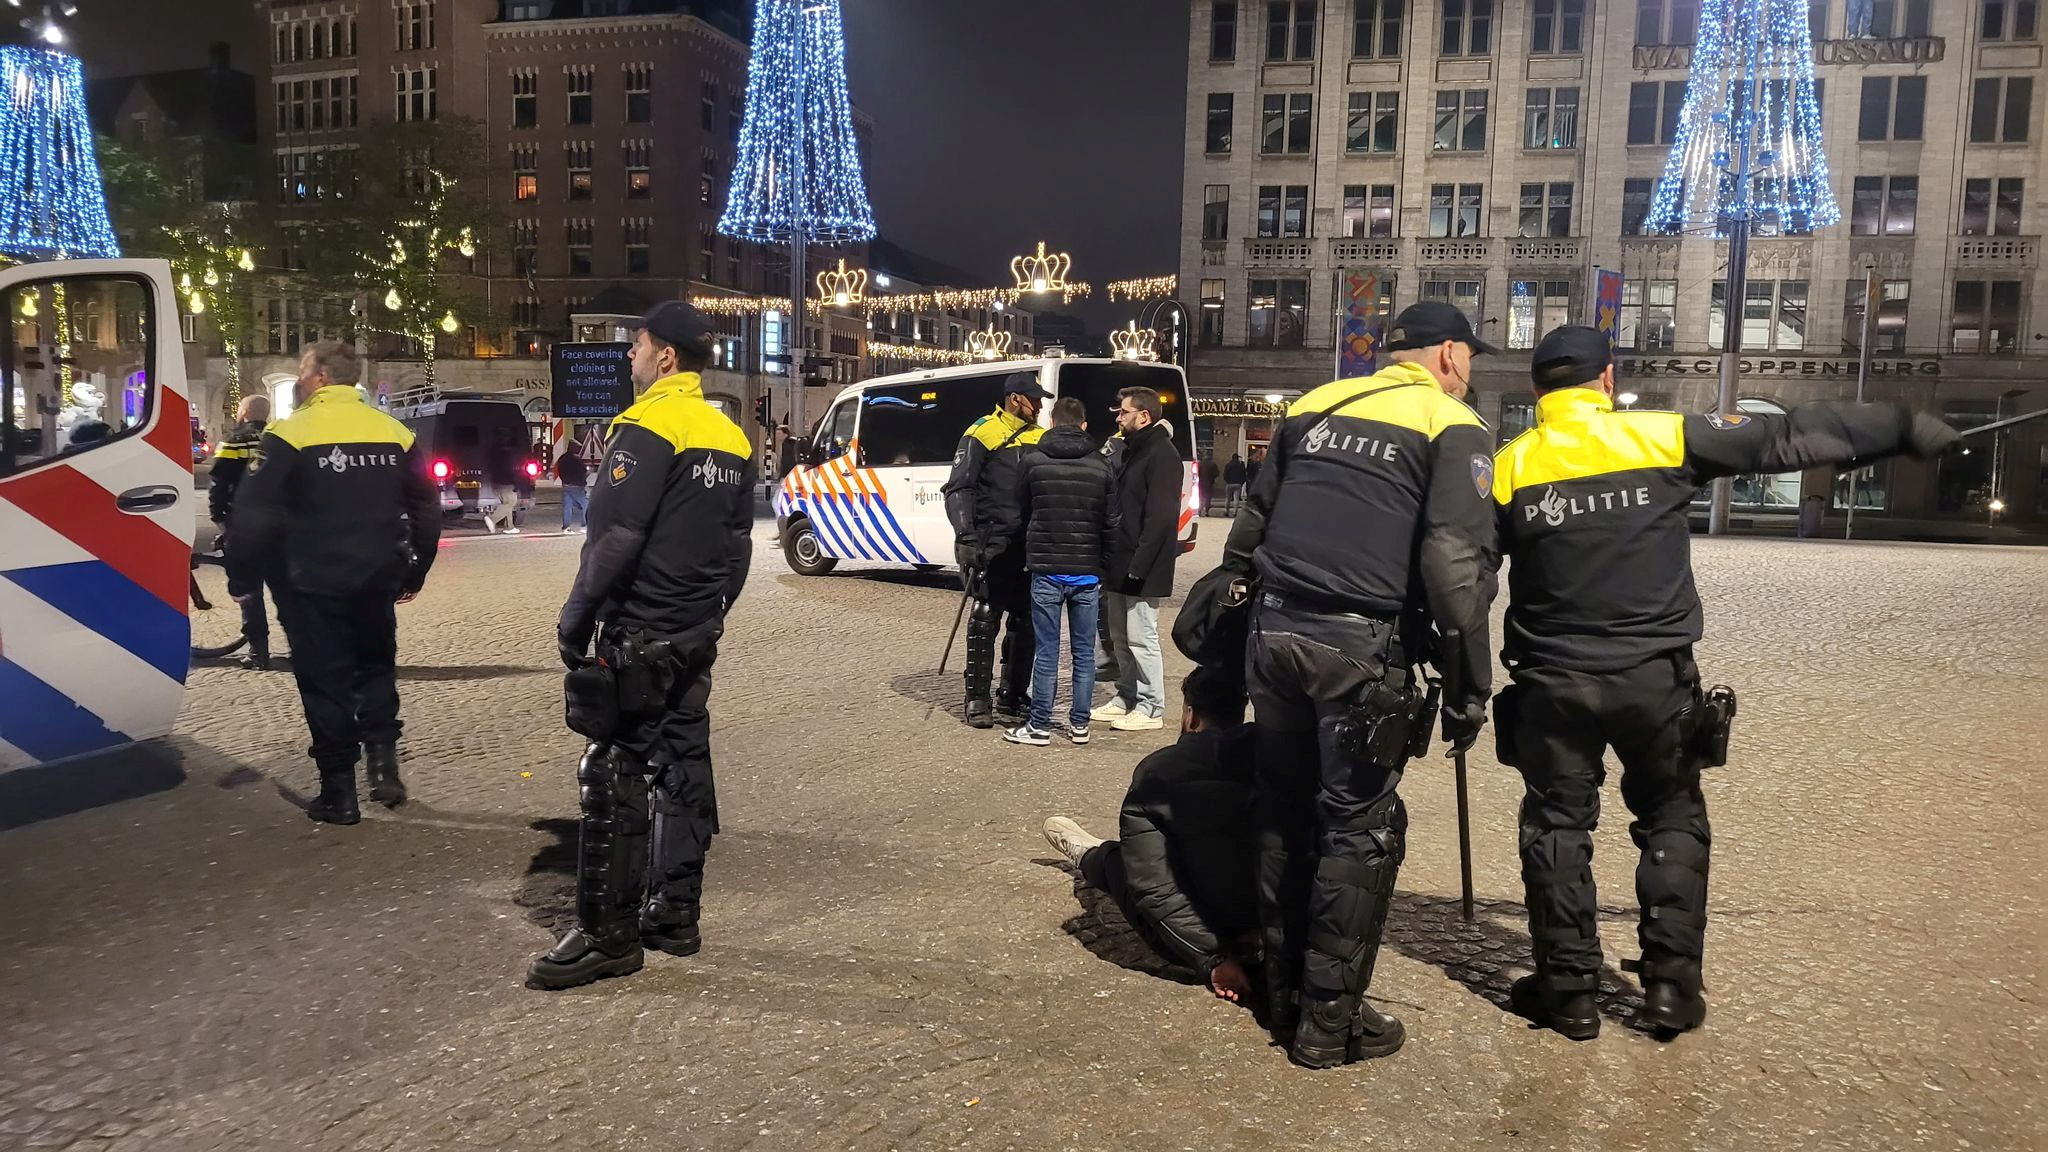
x: 893, y: 961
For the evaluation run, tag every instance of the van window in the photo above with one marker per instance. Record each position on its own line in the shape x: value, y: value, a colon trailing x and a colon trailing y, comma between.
x: 835, y: 431
x: 922, y: 422
x: 75, y: 370
x: 1097, y: 386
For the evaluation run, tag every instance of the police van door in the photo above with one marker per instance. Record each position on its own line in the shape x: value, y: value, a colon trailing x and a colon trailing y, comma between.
x: 909, y: 433
x: 96, y: 508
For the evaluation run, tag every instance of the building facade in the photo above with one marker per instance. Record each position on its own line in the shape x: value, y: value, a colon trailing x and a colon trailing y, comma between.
x: 1359, y: 155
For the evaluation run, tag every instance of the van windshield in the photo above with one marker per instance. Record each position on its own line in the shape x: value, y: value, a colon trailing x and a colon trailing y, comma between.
x: 1097, y: 386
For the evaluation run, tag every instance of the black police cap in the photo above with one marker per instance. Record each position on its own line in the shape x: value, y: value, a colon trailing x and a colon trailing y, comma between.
x: 1569, y: 356
x: 678, y: 325
x: 1431, y: 322
x: 1025, y: 384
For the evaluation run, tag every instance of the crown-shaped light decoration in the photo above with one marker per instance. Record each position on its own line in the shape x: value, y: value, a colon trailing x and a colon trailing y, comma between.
x: 989, y: 345
x: 1135, y: 343
x: 1043, y: 272
x: 842, y: 287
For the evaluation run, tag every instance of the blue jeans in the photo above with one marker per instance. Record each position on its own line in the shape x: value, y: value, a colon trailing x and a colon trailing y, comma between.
x: 1081, y: 602
x: 575, y: 499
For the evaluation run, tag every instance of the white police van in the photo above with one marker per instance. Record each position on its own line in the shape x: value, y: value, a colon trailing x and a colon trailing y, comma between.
x: 869, y: 484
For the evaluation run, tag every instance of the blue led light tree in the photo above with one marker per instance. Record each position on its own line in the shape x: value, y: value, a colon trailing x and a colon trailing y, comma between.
x: 798, y: 178
x: 1748, y: 156
x: 51, y: 204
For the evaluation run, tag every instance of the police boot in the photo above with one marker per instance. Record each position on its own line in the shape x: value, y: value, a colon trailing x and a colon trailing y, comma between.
x: 1672, y: 1002
x: 666, y: 928
x: 336, y: 803
x: 981, y: 659
x: 1572, y: 1013
x: 1343, y: 1030
x: 580, y: 958
x: 981, y: 712
x: 380, y: 764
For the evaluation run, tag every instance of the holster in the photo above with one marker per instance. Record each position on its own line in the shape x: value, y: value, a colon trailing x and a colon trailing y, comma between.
x: 1378, y: 728
x: 644, y: 668
x: 1712, y: 717
x: 1507, y: 716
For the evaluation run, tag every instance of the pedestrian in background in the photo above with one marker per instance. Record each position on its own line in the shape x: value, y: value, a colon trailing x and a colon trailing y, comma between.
x: 786, y: 459
x: 338, y: 502
x: 501, y: 472
x: 575, y: 477
x: 1068, y: 498
x: 1205, y: 474
x: 1233, y: 484
x: 224, y: 481
x: 1141, y: 564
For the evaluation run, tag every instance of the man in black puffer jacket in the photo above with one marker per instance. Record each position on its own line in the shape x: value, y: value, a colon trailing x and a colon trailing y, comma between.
x: 1068, y: 497
x: 1184, y: 870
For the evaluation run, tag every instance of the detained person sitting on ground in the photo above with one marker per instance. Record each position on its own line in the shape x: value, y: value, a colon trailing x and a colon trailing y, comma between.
x: 1184, y: 869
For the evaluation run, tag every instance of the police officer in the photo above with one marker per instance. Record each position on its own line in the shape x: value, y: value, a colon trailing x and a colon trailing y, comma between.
x: 1370, y: 515
x: 338, y: 505
x: 981, y: 503
x: 670, y: 541
x: 224, y: 480
x: 1600, y: 627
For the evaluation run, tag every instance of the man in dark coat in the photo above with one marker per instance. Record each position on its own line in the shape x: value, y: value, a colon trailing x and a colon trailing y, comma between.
x: 1184, y: 868
x: 1068, y: 499
x: 1141, y: 567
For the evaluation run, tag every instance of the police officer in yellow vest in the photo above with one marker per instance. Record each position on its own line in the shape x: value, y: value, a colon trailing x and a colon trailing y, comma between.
x: 1592, y: 510
x: 336, y: 508
x: 224, y: 480
x: 670, y: 541
x: 982, y: 502
x: 1370, y: 520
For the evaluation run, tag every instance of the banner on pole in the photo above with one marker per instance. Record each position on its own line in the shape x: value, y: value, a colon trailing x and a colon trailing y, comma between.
x: 1607, y: 305
x: 1358, y: 343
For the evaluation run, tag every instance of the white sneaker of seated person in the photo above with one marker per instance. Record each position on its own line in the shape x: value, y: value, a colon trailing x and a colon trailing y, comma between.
x: 1069, y: 839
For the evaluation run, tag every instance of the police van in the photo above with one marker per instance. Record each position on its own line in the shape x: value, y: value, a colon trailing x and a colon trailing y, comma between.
x: 869, y: 486
x: 459, y: 434
x: 95, y: 530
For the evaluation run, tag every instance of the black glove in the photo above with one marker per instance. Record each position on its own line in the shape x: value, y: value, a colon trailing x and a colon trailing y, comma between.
x: 1131, y: 586
x: 1462, y: 723
x: 1929, y: 437
x: 969, y: 556
x: 574, y: 646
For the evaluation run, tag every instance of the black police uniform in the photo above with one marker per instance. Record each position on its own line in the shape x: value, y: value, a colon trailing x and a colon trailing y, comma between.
x: 671, y: 523
x: 337, y: 504
x: 1372, y: 510
x: 988, y: 523
x: 1592, y: 507
x: 224, y: 480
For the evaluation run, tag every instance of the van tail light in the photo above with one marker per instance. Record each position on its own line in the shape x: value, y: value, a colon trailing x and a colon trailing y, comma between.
x: 441, y: 470
x: 532, y: 469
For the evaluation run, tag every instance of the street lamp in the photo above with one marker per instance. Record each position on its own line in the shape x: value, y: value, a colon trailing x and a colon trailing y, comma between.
x: 1628, y: 399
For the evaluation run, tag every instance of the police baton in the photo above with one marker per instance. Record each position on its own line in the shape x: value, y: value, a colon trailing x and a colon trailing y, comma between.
x: 1454, y: 641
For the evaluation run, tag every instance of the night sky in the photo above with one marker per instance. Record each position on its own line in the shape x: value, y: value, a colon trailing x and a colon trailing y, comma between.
x: 997, y: 124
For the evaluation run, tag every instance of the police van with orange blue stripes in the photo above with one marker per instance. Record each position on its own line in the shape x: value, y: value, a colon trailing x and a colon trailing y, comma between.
x: 868, y: 483
x: 96, y: 508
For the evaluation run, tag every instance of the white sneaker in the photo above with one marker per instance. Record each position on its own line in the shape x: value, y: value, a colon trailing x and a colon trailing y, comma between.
x: 511, y: 531
x: 1110, y: 711
x: 1025, y: 734
x: 1138, y: 722
x: 1069, y: 839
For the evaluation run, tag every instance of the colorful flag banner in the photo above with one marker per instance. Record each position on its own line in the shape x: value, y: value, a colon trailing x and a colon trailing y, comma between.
x: 1607, y: 304
x: 1358, y: 343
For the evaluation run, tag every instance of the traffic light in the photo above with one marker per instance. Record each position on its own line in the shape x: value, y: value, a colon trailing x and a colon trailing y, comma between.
x: 762, y: 416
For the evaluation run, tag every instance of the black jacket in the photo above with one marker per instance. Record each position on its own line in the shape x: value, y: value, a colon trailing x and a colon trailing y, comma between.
x: 336, y: 503
x: 572, y: 471
x: 1190, y: 846
x: 1068, y: 498
x: 1148, y: 501
x: 230, y: 464
x: 671, y: 518
x: 1593, y: 511
x: 1380, y: 505
x: 981, y: 493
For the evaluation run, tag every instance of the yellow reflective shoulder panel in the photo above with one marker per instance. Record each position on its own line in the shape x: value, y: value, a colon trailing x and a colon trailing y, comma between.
x: 993, y: 431
x: 688, y: 422
x: 344, y: 422
x: 1608, y: 442
x: 1422, y: 406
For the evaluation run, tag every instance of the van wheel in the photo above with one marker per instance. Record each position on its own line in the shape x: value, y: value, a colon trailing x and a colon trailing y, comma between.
x: 801, y: 549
